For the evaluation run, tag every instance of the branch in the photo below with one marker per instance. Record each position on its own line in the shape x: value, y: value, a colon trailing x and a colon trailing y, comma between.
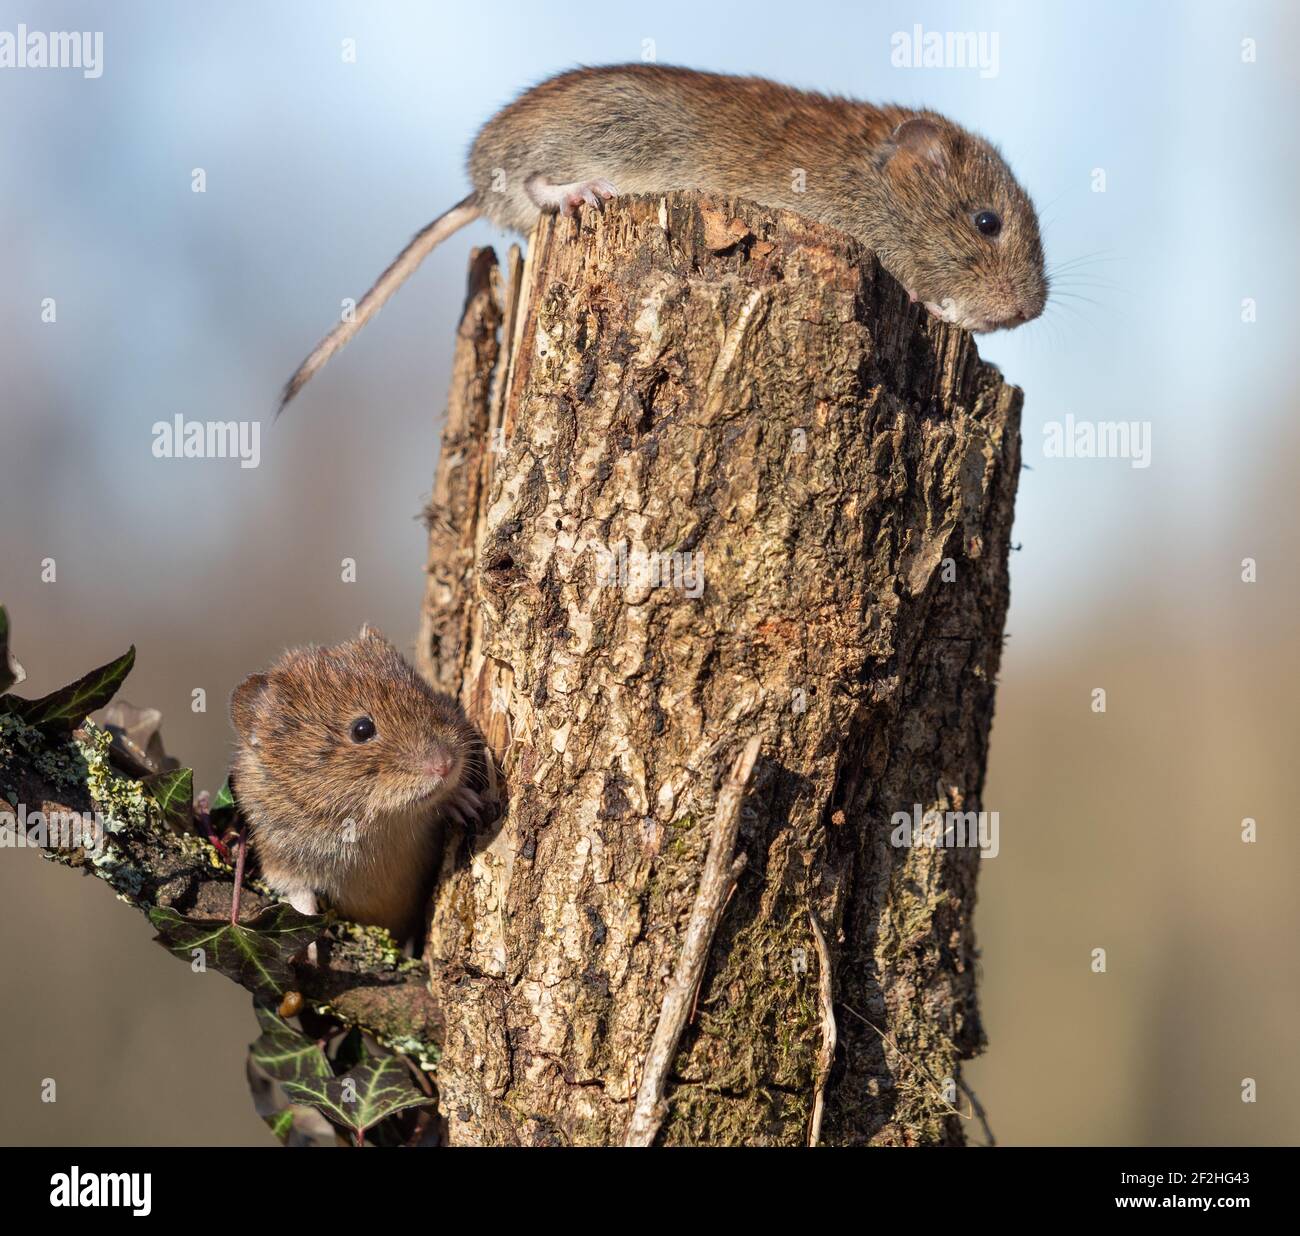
x: 826, y: 999
x: 720, y: 875
x: 123, y: 840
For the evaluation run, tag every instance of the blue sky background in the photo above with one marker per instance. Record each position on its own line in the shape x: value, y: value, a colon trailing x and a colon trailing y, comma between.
x: 318, y: 171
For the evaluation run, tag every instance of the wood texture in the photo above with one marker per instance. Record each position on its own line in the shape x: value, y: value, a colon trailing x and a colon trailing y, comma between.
x: 689, y: 376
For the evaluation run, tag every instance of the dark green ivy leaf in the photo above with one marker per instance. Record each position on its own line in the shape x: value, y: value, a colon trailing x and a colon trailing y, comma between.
x: 222, y: 811
x: 285, y: 1054
x: 280, y: 1123
x: 255, y: 954
x: 294, y: 1124
x: 363, y: 1096
x: 174, y: 793
x: 68, y: 707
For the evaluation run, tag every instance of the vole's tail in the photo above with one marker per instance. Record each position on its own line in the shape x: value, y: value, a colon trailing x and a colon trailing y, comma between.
x: 402, y: 267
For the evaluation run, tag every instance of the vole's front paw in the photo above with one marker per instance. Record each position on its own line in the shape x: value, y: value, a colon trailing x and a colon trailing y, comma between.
x: 464, y: 805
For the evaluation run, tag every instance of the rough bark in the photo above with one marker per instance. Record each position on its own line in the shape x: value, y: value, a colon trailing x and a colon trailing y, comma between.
x: 695, y: 376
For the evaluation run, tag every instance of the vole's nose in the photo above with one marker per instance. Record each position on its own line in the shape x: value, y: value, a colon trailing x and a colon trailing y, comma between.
x: 1031, y: 303
x: 438, y: 765
x: 1025, y: 309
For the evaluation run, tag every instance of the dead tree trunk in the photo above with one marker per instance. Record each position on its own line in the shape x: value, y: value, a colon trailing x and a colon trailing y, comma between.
x: 824, y: 479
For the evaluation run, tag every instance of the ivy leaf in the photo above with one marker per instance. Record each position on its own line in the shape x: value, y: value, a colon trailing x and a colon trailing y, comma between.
x: 221, y: 814
x: 280, y: 1123
x: 363, y: 1096
x: 10, y: 671
x: 279, y: 1049
x: 285, y: 1054
x: 68, y: 707
x: 255, y: 954
x: 174, y: 793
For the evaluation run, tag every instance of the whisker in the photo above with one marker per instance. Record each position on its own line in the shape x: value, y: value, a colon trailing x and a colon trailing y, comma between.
x: 1066, y: 297
x: 1082, y: 281
x: 1098, y: 255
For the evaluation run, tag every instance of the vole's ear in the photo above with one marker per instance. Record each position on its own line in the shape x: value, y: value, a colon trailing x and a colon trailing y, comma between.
x: 922, y: 138
x: 243, y: 705
x: 369, y: 632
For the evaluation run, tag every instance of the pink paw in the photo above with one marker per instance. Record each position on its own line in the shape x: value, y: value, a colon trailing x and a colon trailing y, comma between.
x: 593, y: 192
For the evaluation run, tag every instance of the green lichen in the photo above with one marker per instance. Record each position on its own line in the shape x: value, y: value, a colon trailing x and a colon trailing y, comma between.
x: 374, y: 945
x: 126, y: 880
x: 120, y: 800
x: 58, y: 761
x: 426, y: 1055
x: 60, y: 767
x: 373, y: 950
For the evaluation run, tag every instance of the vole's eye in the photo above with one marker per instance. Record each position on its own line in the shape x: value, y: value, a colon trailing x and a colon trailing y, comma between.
x: 988, y: 223
x: 363, y: 729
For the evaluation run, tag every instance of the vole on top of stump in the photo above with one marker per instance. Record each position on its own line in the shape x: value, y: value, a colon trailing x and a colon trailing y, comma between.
x: 346, y: 764
x: 937, y: 204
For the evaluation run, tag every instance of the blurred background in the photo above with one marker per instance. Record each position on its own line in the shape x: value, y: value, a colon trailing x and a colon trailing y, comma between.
x: 1160, y: 144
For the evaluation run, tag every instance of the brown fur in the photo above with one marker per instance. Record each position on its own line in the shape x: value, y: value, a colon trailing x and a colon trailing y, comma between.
x: 300, y: 778
x: 651, y: 128
x: 905, y: 183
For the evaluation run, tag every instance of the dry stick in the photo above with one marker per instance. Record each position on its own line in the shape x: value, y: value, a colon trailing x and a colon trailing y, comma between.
x: 978, y: 1109
x: 826, y: 997
x: 239, y: 875
x: 716, y: 883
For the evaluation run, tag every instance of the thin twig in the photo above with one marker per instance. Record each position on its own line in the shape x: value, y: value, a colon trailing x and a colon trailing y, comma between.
x: 716, y: 883
x: 826, y: 996
x: 239, y: 874
x: 978, y: 1108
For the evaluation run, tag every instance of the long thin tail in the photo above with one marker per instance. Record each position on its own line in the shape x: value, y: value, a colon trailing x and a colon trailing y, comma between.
x: 402, y: 267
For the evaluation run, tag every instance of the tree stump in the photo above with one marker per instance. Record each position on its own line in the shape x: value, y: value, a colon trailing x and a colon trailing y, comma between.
x: 709, y: 482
